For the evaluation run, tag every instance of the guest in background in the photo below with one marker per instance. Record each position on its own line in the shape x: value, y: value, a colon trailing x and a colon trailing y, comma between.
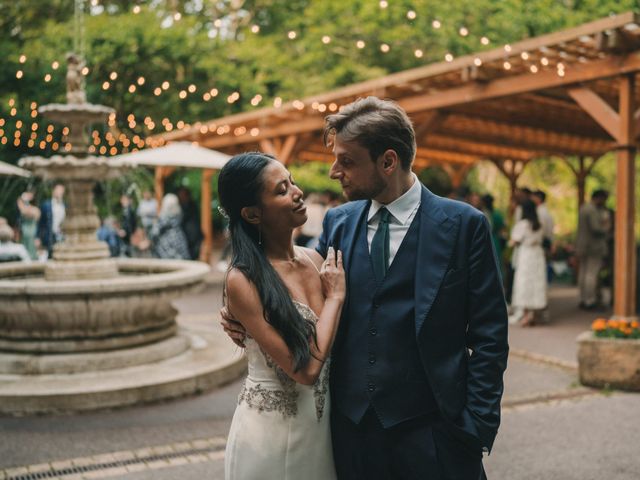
x: 108, y: 232
x: 28, y: 218
x: 496, y: 220
x: 530, y: 279
x: 128, y: 223
x: 147, y: 211
x: 594, y: 223
x: 52, y: 214
x: 167, y: 237
x: 190, y: 222
x: 11, y: 251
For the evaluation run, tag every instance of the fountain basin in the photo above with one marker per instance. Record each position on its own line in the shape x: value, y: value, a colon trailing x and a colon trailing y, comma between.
x: 132, y: 309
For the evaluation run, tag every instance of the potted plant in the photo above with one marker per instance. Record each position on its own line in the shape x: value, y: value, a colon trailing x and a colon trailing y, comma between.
x: 609, y: 355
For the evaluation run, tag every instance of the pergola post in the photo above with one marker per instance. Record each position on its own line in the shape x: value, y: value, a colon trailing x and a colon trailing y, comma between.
x: 205, y: 216
x: 624, y: 303
x: 512, y: 169
x: 581, y: 173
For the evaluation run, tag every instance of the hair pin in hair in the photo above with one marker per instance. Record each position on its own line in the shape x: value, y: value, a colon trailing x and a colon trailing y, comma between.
x: 223, y: 212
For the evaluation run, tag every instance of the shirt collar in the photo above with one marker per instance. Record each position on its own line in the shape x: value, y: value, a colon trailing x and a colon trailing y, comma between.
x: 402, y: 207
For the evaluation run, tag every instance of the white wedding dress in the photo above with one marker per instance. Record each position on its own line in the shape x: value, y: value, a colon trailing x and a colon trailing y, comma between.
x: 280, y: 429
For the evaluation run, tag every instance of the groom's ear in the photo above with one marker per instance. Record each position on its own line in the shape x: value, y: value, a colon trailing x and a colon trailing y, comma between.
x: 389, y: 161
x: 251, y: 215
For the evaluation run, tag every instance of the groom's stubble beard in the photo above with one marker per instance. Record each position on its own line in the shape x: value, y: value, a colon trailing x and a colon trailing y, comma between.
x: 369, y: 192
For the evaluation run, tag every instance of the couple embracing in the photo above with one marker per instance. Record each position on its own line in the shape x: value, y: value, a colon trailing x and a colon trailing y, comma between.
x: 380, y: 354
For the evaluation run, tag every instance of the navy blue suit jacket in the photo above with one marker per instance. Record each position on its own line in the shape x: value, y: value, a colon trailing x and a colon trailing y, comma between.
x: 460, y: 311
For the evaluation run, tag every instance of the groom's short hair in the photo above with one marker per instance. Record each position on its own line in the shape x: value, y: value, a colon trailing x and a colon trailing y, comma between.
x: 378, y: 125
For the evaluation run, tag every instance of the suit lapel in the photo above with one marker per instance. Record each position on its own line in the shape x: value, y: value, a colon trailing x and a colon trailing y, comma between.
x: 349, y: 233
x: 436, y: 241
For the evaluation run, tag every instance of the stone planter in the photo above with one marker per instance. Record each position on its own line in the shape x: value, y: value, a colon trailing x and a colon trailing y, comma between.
x: 609, y: 362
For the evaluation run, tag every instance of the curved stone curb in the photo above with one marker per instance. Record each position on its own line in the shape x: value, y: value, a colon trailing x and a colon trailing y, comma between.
x: 544, y: 360
x: 211, y: 361
x: 522, y: 400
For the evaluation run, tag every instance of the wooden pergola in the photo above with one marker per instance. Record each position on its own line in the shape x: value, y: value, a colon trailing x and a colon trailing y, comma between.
x: 569, y: 94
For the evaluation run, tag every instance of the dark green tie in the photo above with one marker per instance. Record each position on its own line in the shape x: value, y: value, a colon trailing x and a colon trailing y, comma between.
x: 380, y: 246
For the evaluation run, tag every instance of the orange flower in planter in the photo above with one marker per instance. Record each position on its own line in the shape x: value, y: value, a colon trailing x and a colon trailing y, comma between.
x: 627, y: 330
x: 613, y: 324
x: 599, y: 325
x: 635, y: 324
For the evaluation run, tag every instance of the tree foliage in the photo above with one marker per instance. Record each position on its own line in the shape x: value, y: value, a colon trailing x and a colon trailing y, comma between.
x: 225, y: 46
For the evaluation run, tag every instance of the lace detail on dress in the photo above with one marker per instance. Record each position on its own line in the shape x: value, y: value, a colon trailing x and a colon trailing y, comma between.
x: 285, y: 401
x: 266, y: 400
x: 320, y: 389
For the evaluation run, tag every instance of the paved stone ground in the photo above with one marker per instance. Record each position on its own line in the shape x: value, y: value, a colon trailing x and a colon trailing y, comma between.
x: 552, y: 428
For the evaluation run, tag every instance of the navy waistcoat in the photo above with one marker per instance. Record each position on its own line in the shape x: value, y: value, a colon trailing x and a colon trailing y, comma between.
x: 376, y: 361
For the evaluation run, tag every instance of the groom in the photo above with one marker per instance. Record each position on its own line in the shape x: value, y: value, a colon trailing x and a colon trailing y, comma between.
x: 417, y: 364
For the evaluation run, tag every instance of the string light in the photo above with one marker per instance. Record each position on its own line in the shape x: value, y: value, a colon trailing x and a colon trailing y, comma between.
x: 411, y: 15
x: 277, y: 102
x: 384, y: 48
x: 384, y: 4
x: 105, y: 85
x: 22, y: 59
x: 477, y: 62
x: 506, y: 65
x: 292, y: 35
x: 463, y: 31
x: 255, y: 28
x: 85, y: 71
x: 544, y: 61
x: 436, y: 24
x: 19, y: 74
x: 165, y: 85
x: 418, y: 53
x: 192, y: 88
x: 140, y: 81
x: 177, y: 16
x: 448, y: 57
x: 132, y: 88
x: 55, y: 65
x: 157, y: 91
x: 47, y: 77
x: 360, y: 44
x: 524, y: 56
x: 326, y: 39
x: 507, y: 48
x: 484, y: 41
x: 113, y: 75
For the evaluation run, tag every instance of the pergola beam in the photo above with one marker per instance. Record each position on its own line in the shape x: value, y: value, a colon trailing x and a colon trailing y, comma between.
x: 524, y: 83
x: 598, y: 109
x: 292, y: 127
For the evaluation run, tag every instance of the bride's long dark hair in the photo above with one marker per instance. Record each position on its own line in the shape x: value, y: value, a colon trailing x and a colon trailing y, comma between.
x: 240, y: 185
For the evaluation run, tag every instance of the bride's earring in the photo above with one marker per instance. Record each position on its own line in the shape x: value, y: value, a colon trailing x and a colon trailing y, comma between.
x: 259, y: 235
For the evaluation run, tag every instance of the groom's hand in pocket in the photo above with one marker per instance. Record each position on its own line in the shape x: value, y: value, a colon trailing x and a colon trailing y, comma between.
x: 233, y: 328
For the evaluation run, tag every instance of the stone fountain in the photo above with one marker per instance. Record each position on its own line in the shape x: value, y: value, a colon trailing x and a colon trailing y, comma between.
x: 84, y: 330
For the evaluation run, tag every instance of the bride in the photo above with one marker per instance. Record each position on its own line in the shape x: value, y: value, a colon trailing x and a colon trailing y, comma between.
x: 289, y: 301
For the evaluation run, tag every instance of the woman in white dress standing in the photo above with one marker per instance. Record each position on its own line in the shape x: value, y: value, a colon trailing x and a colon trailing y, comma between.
x: 289, y: 300
x: 530, y: 280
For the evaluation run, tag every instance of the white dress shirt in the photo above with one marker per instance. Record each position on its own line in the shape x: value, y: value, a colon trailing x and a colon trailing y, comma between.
x: 403, y: 210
